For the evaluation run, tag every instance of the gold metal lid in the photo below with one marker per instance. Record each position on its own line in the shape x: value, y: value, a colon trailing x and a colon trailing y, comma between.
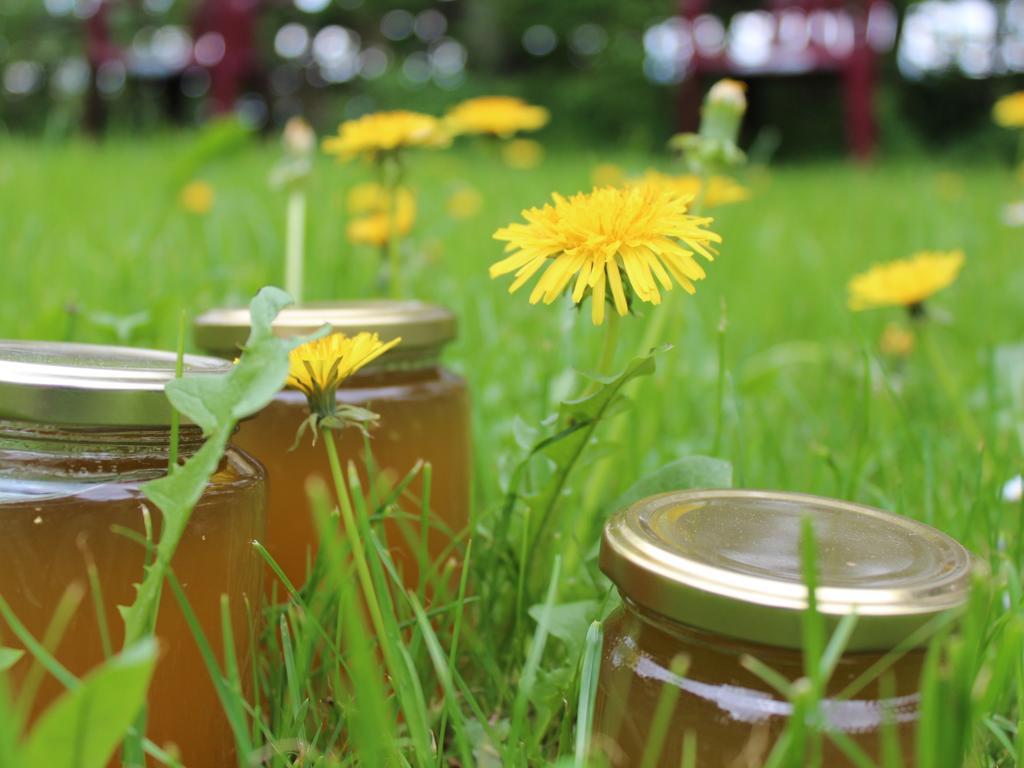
x: 728, y: 562
x: 424, y: 328
x: 47, y: 382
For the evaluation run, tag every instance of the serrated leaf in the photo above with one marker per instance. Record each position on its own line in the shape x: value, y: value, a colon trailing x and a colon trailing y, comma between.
x: 215, y: 403
x: 83, y: 727
x: 567, y: 435
x: 681, y: 474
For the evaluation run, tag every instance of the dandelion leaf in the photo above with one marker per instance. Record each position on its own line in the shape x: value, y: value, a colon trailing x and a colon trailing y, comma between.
x: 84, y: 726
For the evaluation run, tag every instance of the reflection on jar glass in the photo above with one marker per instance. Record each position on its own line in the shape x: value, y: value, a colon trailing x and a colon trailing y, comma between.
x: 82, y: 428
x: 424, y: 416
x: 709, y: 578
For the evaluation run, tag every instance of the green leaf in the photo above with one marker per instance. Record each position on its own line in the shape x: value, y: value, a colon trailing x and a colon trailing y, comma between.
x: 684, y: 473
x: 9, y: 657
x: 215, y: 403
x: 84, y: 726
x: 568, y: 621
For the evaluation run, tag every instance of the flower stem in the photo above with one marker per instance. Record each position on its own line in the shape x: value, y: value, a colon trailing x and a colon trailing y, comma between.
x: 607, y: 356
x: 596, y: 489
x: 295, y: 243
x: 357, y: 546
x: 948, y: 384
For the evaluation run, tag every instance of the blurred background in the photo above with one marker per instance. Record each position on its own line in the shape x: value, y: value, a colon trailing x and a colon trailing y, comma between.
x: 834, y: 77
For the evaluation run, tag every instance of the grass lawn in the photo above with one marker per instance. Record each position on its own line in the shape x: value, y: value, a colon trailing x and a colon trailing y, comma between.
x: 805, y: 401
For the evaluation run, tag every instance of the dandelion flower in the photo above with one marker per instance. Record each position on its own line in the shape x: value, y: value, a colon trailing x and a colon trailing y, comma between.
x: 374, y: 134
x: 642, y: 232
x: 464, y: 203
x: 197, y: 197
x: 905, y: 282
x: 501, y: 116
x: 522, y: 154
x: 896, y: 341
x: 720, y: 190
x: 1008, y: 112
x: 318, y: 367
x: 376, y: 221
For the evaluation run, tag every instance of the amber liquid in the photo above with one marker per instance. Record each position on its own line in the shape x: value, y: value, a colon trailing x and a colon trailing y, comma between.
x: 424, y: 415
x: 49, y: 527
x: 735, y: 717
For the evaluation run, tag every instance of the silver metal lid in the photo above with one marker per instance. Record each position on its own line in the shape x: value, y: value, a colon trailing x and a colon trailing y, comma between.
x: 56, y: 383
x: 423, y: 328
x: 728, y: 561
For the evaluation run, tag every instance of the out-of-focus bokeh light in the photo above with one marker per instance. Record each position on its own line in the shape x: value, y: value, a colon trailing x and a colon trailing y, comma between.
x: 291, y: 41
x: 312, y: 6
x: 397, y: 24
x: 540, y: 40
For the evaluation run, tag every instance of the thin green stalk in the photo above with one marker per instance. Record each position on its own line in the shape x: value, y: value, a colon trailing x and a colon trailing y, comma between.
x: 179, y: 369
x: 663, y: 710
x: 949, y: 385
x: 590, y: 668
x: 453, y: 651
x: 352, y: 532
x: 720, y: 389
x: 295, y: 243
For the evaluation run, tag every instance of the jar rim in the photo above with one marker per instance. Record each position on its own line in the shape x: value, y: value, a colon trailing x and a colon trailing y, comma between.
x: 728, y: 561
x: 71, y: 384
x: 424, y: 328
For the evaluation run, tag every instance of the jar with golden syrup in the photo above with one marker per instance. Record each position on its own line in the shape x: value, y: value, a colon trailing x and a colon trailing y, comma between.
x: 82, y: 429
x: 424, y: 416
x: 708, y: 578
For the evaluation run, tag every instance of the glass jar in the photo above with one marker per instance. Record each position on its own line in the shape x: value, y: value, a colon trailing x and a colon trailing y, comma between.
x: 710, y: 577
x: 424, y: 416
x: 82, y: 428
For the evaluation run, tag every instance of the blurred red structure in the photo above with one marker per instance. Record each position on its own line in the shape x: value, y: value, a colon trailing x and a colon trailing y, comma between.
x: 227, y: 27
x: 802, y: 37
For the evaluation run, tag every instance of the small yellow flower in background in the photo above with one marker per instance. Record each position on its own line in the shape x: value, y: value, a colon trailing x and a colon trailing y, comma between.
x: 501, y: 116
x: 897, y: 341
x: 905, y: 282
x: 1008, y: 112
x: 197, y: 197
x: 376, y: 222
x: 721, y: 190
x: 465, y: 202
x: 607, y: 175
x: 373, y: 134
x: 522, y: 154
x: 643, y: 232
x: 318, y: 367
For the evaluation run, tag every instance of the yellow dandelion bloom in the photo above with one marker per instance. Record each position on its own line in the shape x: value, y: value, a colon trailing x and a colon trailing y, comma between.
x: 522, y: 154
x: 464, y: 203
x: 642, y: 231
x: 318, y: 367
x: 896, y: 341
x: 496, y: 115
x: 607, y: 175
x: 373, y: 134
x: 197, y: 197
x: 721, y: 190
x: 905, y: 282
x: 376, y: 222
x: 1008, y: 112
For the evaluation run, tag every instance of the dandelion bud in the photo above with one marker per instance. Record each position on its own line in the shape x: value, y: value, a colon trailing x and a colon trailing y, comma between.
x: 298, y: 137
x: 723, y: 111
